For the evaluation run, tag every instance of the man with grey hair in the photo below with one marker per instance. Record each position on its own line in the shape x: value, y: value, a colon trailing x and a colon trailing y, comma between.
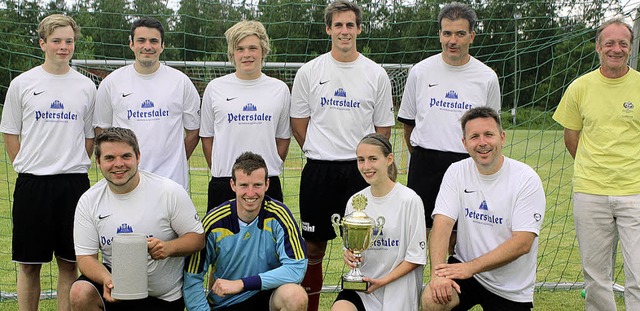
x: 601, y: 130
x: 245, y: 110
x: 438, y: 91
x: 46, y: 126
x: 499, y: 205
x: 337, y: 99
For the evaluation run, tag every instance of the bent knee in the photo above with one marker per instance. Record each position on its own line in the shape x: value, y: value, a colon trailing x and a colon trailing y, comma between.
x: 83, y: 294
x: 290, y: 297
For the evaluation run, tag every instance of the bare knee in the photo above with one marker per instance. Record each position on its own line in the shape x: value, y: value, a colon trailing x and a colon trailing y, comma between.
x: 289, y: 297
x: 84, y: 296
x: 343, y: 305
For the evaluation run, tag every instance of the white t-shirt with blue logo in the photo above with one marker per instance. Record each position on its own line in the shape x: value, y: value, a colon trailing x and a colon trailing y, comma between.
x: 52, y: 115
x: 158, y: 207
x: 489, y: 208
x: 344, y: 102
x: 436, y: 96
x: 157, y: 107
x: 245, y: 115
x: 402, y: 238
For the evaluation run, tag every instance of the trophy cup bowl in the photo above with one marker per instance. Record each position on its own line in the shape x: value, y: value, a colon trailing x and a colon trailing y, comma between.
x: 357, y: 235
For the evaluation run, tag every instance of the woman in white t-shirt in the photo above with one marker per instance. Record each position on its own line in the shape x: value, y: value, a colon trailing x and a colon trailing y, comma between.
x: 393, y: 265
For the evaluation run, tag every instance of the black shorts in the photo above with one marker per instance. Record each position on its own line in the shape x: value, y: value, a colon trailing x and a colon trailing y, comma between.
x: 43, y: 212
x: 325, y: 188
x: 149, y: 303
x: 352, y: 297
x: 220, y: 191
x: 426, y: 169
x: 473, y: 293
x: 259, y: 301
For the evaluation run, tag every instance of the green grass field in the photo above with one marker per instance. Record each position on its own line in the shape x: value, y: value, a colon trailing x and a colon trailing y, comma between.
x: 558, y: 257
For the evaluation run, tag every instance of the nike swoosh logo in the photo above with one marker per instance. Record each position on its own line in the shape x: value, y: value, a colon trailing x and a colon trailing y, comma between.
x: 103, y: 216
x: 125, y: 95
x: 469, y: 191
x: 323, y: 82
x: 37, y: 93
x: 432, y: 85
x: 231, y: 98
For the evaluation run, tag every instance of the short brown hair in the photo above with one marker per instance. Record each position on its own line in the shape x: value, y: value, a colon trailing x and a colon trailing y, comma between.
x: 479, y: 112
x: 342, y: 6
x: 117, y: 134
x: 249, y: 162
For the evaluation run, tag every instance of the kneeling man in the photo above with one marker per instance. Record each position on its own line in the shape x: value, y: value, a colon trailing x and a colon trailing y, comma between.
x: 499, y: 204
x: 254, y: 247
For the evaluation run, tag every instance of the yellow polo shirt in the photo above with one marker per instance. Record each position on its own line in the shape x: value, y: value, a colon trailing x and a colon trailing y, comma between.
x: 607, y: 112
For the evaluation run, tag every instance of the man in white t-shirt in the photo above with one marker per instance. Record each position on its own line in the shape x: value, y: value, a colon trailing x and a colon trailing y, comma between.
x: 245, y: 111
x: 499, y: 204
x: 159, y: 103
x: 438, y: 91
x: 46, y: 125
x: 337, y: 99
x: 128, y: 200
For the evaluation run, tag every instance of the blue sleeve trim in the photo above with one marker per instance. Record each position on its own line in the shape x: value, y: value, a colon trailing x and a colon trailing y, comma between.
x: 252, y: 283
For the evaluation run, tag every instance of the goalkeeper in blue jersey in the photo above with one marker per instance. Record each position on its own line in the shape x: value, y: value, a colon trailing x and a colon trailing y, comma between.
x: 254, y: 246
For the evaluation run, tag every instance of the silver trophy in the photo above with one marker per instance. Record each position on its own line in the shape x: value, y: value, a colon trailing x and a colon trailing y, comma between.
x: 357, y: 235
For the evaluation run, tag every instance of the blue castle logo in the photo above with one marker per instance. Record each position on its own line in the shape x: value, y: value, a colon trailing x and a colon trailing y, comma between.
x: 56, y: 104
x: 340, y: 92
x: 249, y: 107
x: 124, y: 228
x: 147, y: 104
x: 483, y: 206
x: 452, y: 94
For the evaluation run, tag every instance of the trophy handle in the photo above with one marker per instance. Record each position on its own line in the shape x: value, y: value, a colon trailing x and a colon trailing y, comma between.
x: 335, y: 221
x: 380, y: 223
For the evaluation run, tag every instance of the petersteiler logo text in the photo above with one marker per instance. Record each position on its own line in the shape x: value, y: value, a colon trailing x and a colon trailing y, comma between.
x: 54, y: 115
x: 482, y: 217
x: 340, y: 92
x: 147, y: 114
x: 48, y: 115
x: 249, y: 114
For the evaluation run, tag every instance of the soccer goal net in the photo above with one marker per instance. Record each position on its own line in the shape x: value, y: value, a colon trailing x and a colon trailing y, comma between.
x: 536, y: 47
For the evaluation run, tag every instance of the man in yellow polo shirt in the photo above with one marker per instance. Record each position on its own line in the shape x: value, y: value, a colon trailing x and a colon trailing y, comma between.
x: 602, y: 132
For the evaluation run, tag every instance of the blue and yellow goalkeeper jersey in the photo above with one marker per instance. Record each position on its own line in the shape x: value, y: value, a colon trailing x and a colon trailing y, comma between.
x: 265, y: 254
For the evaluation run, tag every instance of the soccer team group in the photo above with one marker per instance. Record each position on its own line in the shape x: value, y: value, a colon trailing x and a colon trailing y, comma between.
x: 476, y: 213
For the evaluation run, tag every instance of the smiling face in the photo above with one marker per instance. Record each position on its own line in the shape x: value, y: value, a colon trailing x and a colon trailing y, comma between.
x: 250, y: 189
x: 455, y: 38
x: 344, y: 31
x: 58, y: 47
x: 372, y: 164
x: 483, y: 141
x: 118, y: 163
x: 613, y: 47
x: 247, y: 58
x: 147, y: 46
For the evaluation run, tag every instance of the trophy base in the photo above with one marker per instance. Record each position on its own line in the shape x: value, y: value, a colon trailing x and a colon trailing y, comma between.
x: 360, y: 286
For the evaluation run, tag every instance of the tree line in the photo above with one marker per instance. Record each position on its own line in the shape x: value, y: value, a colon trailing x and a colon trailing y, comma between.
x: 536, y: 47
